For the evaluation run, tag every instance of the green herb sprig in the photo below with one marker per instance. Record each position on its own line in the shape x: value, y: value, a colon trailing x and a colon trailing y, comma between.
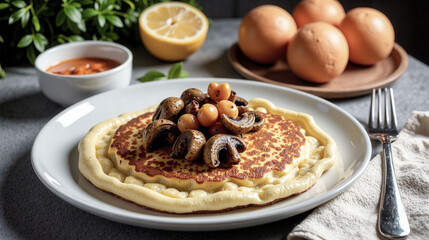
x: 175, y: 71
x: 28, y: 27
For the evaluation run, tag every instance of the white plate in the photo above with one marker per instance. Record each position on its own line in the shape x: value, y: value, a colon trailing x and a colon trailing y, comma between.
x: 55, y: 155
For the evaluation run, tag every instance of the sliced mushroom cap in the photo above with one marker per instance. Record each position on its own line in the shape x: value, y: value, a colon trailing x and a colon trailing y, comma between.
x: 192, y: 94
x: 259, y: 121
x: 238, y: 126
x: 241, y: 104
x: 159, y: 133
x: 192, y: 107
x: 223, y: 150
x: 189, y: 145
x: 169, y: 108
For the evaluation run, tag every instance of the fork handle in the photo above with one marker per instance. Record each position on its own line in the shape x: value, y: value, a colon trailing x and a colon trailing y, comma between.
x: 392, y: 219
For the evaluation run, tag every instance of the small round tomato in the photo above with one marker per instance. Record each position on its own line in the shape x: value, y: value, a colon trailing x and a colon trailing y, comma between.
x: 207, y: 115
x: 227, y: 107
x: 188, y: 121
x: 218, y: 92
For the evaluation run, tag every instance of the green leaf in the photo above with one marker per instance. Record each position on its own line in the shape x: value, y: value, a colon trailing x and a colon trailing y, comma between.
x: 40, y: 42
x: 4, y: 5
x: 19, y: 4
x: 106, y: 4
x: 183, y: 74
x: 36, y: 23
x: 60, y: 18
x: 101, y: 20
x: 130, y: 3
x: 1, y: 39
x: 2, y: 73
x: 61, y: 41
x: 86, y: 2
x: 25, y: 41
x: 115, y: 20
x: 76, y: 38
x: 152, y: 76
x: 112, y: 35
x: 175, y: 70
x: 82, y: 26
x: 73, y: 13
x: 16, y: 15
x: 31, y: 55
x: 73, y: 27
x: 89, y: 13
x: 75, y: 4
x: 25, y: 18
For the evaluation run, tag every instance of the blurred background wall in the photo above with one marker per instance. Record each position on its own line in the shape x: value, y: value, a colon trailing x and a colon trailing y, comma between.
x: 410, y: 18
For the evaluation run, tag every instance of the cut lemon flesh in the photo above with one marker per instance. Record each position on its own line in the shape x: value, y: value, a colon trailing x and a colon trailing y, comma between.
x: 172, y: 30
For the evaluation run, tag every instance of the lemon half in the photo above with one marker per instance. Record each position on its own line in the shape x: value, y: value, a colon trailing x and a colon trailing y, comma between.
x: 172, y: 31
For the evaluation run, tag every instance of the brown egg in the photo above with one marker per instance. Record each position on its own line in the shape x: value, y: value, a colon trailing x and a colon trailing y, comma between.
x: 318, y: 52
x: 308, y: 11
x: 370, y: 35
x: 265, y: 32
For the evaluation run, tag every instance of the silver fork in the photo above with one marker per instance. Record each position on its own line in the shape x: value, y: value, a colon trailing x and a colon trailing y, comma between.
x: 392, y: 219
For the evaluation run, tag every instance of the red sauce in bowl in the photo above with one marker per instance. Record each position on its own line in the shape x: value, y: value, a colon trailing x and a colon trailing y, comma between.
x: 82, y: 66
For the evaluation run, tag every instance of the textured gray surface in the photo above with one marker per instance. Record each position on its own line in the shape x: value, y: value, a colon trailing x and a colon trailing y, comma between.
x: 30, y: 210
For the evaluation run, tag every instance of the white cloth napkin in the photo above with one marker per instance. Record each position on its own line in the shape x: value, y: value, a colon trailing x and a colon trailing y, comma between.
x: 353, y: 214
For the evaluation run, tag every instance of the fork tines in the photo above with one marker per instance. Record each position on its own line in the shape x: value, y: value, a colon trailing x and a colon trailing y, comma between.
x: 386, y: 105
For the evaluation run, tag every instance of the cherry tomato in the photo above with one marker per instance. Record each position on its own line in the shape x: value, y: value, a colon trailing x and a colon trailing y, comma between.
x: 207, y: 115
x: 188, y: 121
x: 227, y: 107
x: 218, y: 92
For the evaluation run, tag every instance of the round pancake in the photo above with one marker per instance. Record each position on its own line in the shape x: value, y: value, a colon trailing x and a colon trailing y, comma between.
x: 284, y: 159
x: 268, y: 152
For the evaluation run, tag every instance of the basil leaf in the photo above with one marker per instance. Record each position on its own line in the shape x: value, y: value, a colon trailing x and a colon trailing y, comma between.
x: 25, y: 41
x: 101, y: 20
x: 4, y: 6
x: 25, y: 18
x: 112, y: 35
x: 130, y: 3
x: 60, y: 18
x: 152, y: 76
x: 2, y: 73
x: 183, y: 74
x: 72, y: 26
x: 16, y: 15
x: 40, y: 42
x: 115, y: 20
x: 19, y: 4
x: 36, y: 23
x: 31, y: 55
x: 89, y: 13
x: 81, y: 25
x: 76, y: 38
x: 73, y: 13
x: 175, y: 70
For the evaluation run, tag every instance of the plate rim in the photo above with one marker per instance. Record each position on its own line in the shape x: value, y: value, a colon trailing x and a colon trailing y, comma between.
x: 203, y: 221
x: 398, y: 54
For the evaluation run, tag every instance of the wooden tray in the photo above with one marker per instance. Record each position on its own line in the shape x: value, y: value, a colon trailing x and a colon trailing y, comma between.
x: 356, y: 80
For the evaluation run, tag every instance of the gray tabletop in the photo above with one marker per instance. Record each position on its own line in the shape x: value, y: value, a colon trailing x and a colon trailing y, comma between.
x: 30, y: 210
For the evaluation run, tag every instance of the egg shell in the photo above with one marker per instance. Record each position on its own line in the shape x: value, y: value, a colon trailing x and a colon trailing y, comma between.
x: 308, y: 11
x: 265, y: 32
x: 318, y: 52
x: 370, y: 35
